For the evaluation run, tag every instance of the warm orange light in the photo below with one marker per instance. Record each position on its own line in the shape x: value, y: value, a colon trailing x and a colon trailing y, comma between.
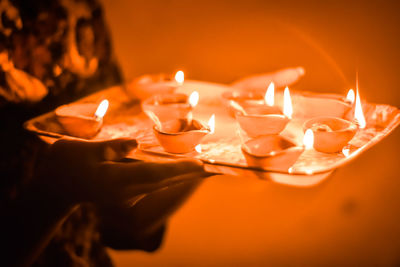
x: 358, y: 112
x: 211, y: 124
x: 350, y: 96
x: 180, y: 77
x: 101, y: 109
x: 270, y: 94
x: 194, y: 99
x: 198, y: 148
x: 308, y: 139
x: 287, y: 103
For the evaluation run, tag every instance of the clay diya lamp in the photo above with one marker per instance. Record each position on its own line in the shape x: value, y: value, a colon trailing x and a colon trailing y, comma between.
x: 272, y: 152
x: 262, y: 120
x: 331, y: 134
x: 311, y: 105
x: 243, y: 98
x: 146, y: 86
x: 83, y: 120
x: 168, y: 106
x: 180, y: 135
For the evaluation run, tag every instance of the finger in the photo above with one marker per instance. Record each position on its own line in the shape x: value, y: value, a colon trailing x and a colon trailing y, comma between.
x: 146, y: 172
x: 287, y: 77
x: 134, y: 190
x: 115, y: 149
x: 281, y: 78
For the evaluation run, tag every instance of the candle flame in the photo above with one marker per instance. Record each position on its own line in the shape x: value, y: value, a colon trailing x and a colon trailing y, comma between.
x: 198, y: 148
x: 180, y: 77
x: 350, y: 96
x: 287, y: 103
x: 309, y: 172
x: 211, y: 124
x: 358, y: 112
x: 194, y: 99
x: 101, y: 109
x: 270, y: 94
x: 308, y: 139
x: 346, y: 152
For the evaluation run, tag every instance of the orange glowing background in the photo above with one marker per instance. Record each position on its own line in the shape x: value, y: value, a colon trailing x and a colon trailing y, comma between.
x: 353, y: 217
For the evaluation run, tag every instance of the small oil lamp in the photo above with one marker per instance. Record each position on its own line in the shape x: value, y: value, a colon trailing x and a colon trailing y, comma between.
x: 171, y: 106
x: 265, y: 119
x: 83, y: 120
x: 148, y: 85
x: 181, y: 135
x: 309, y: 105
x: 272, y: 152
x: 242, y: 98
x: 331, y: 134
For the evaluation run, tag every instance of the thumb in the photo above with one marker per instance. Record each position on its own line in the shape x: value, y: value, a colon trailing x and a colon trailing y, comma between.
x: 111, y: 150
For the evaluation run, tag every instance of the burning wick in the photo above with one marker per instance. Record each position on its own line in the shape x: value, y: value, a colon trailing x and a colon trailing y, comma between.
x: 358, y: 112
x: 198, y: 148
x: 193, y: 100
x: 287, y: 103
x: 270, y: 94
x: 346, y: 151
x: 308, y: 139
x: 101, y: 110
x: 350, y: 96
x: 211, y: 124
x: 179, y: 77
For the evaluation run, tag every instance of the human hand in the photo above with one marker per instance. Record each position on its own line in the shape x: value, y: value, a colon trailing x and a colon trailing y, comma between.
x: 280, y: 78
x: 79, y: 171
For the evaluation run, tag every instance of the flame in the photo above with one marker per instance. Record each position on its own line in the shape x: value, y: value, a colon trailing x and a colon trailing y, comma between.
x: 180, y: 77
x: 211, y: 124
x: 269, y: 95
x: 346, y: 151
x: 308, y: 139
x: 350, y: 96
x: 287, y: 103
x: 194, y: 99
x: 198, y: 148
x: 101, y: 109
x: 358, y: 112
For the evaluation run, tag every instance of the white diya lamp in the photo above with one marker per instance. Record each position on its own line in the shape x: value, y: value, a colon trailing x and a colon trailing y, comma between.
x: 309, y: 105
x: 331, y: 134
x: 148, y: 85
x: 271, y: 152
x: 242, y: 98
x: 182, y: 135
x: 171, y: 106
x: 265, y: 119
x: 83, y: 120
